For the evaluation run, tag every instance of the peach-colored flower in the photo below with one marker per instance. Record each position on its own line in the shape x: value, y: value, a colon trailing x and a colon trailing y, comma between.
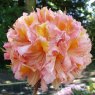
x: 48, y: 46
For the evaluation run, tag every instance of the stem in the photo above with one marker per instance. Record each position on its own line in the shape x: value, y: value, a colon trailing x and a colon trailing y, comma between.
x: 36, y: 88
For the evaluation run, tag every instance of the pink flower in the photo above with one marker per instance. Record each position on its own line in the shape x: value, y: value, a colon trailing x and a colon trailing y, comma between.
x: 48, y: 46
x: 68, y: 90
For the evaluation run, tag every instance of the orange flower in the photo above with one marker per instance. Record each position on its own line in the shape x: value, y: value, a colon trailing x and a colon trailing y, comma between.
x: 48, y: 46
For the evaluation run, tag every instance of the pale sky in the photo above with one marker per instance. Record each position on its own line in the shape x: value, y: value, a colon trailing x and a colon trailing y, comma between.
x: 89, y: 5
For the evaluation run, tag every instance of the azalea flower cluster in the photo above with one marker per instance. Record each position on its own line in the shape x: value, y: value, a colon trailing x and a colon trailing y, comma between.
x: 48, y: 46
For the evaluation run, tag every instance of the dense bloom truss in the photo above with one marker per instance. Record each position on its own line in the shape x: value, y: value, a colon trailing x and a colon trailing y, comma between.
x: 48, y: 46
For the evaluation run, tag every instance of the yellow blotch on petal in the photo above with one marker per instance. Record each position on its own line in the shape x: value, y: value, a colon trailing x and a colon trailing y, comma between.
x: 24, y: 69
x: 67, y: 26
x: 45, y: 45
x: 73, y: 44
x: 42, y: 30
x: 59, y: 57
x: 22, y: 33
x: 29, y: 20
x: 61, y: 26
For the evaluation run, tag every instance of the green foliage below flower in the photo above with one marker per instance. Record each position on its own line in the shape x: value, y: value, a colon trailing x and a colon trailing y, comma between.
x: 80, y: 92
x: 90, y: 90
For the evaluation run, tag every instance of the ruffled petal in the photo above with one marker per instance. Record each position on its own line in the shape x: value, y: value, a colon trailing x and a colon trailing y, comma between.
x: 23, y: 49
x: 33, y: 78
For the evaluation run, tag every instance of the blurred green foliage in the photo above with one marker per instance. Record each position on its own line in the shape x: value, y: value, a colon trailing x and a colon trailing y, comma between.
x: 80, y: 92
x: 9, y: 12
x: 91, y: 30
x: 76, y: 8
x: 89, y: 90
